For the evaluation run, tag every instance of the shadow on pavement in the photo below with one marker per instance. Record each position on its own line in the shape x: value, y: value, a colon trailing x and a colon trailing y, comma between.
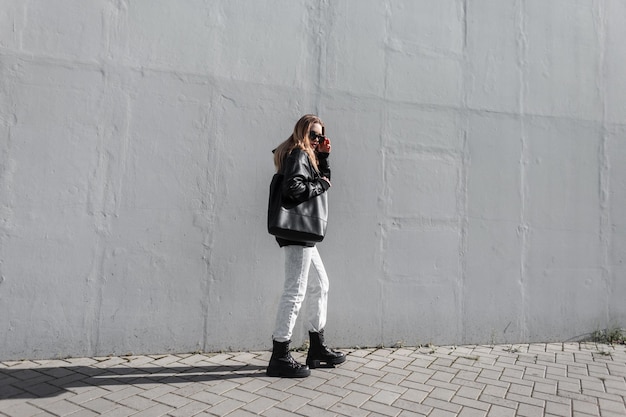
x: 49, y: 382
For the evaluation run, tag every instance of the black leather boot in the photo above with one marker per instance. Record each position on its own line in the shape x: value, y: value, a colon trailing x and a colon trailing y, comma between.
x: 320, y: 355
x: 282, y: 364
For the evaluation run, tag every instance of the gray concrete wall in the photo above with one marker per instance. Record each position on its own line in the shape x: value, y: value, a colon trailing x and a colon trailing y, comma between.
x: 479, y: 180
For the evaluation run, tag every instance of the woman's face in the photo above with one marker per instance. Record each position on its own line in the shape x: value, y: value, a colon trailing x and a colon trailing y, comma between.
x: 315, y: 135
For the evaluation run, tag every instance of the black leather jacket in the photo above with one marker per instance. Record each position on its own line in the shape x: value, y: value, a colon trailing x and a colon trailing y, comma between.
x: 302, y: 182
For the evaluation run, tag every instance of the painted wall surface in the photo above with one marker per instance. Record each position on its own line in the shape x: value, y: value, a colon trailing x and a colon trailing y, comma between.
x: 479, y: 170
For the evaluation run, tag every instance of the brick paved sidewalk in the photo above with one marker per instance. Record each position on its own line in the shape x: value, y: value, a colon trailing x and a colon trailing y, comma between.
x: 572, y: 379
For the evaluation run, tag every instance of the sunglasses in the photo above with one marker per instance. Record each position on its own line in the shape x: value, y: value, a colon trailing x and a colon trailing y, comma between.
x: 316, y: 136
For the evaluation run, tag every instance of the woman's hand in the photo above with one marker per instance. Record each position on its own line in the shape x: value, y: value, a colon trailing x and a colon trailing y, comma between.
x: 324, y: 146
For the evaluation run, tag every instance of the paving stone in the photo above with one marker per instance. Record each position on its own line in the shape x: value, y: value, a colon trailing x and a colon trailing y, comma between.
x: 273, y: 412
x: 384, y: 386
x: 465, y: 375
x: 349, y: 410
x: 443, y: 385
x: 416, y: 385
x: 85, y: 413
x: 355, y: 399
x: 22, y: 409
x: 524, y: 399
x: 571, y: 385
x: 527, y: 410
x: 156, y: 410
x: 558, y: 409
x: 157, y: 391
x: 11, y: 392
x: 563, y: 397
x: 442, y: 413
x: 302, y: 392
x: 495, y: 391
x: 119, y: 411
x: 585, y: 407
x: 137, y: 403
x: 99, y: 405
x: 174, y: 401
x: 311, y: 411
x: 386, y: 397
x: 394, y: 378
x: 330, y: 389
x: 493, y: 382
x: 273, y: 394
x: 442, y: 405
x: 469, y: 392
x: 499, y: 401
x: 367, y: 380
x: 520, y: 389
x: 472, y: 412
x: 190, y: 409
x: 596, y: 394
x: 63, y: 408
x: 114, y: 361
x: 551, y: 380
x: 312, y: 382
x: 372, y: 372
x: 543, y: 387
x: 499, y: 411
x: 225, y: 407
x: 414, y: 395
x: 406, y: 413
x: 126, y: 392
x: 468, y: 384
x: 419, y: 375
x: 612, y: 406
x: 513, y: 373
x: 362, y: 389
x: 325, y: 401
x: 380, y: 409
x: 89, y: 393
x: 469, y: 403
x: 442, y: 394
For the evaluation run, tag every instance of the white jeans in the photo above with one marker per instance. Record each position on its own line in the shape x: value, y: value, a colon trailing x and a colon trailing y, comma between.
x: 298, y: 261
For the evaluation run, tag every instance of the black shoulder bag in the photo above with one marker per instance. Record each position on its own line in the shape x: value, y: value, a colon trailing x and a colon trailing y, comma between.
x: 299, y: 222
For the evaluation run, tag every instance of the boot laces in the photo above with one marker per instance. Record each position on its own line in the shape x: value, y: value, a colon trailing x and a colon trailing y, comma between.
x: 291, y: 361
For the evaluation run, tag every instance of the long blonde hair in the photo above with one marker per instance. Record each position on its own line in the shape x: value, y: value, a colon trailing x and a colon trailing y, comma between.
x: 298, y: 139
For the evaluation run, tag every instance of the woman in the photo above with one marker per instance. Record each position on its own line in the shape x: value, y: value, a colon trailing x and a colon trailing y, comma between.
x: 303, y: 160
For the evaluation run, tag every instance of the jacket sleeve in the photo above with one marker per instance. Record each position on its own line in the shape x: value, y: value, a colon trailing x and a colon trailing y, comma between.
x: 324, y: 165
x: 300, y: 184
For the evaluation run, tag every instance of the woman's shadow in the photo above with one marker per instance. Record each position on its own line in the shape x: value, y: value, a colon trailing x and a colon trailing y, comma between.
x: 42, y: 382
